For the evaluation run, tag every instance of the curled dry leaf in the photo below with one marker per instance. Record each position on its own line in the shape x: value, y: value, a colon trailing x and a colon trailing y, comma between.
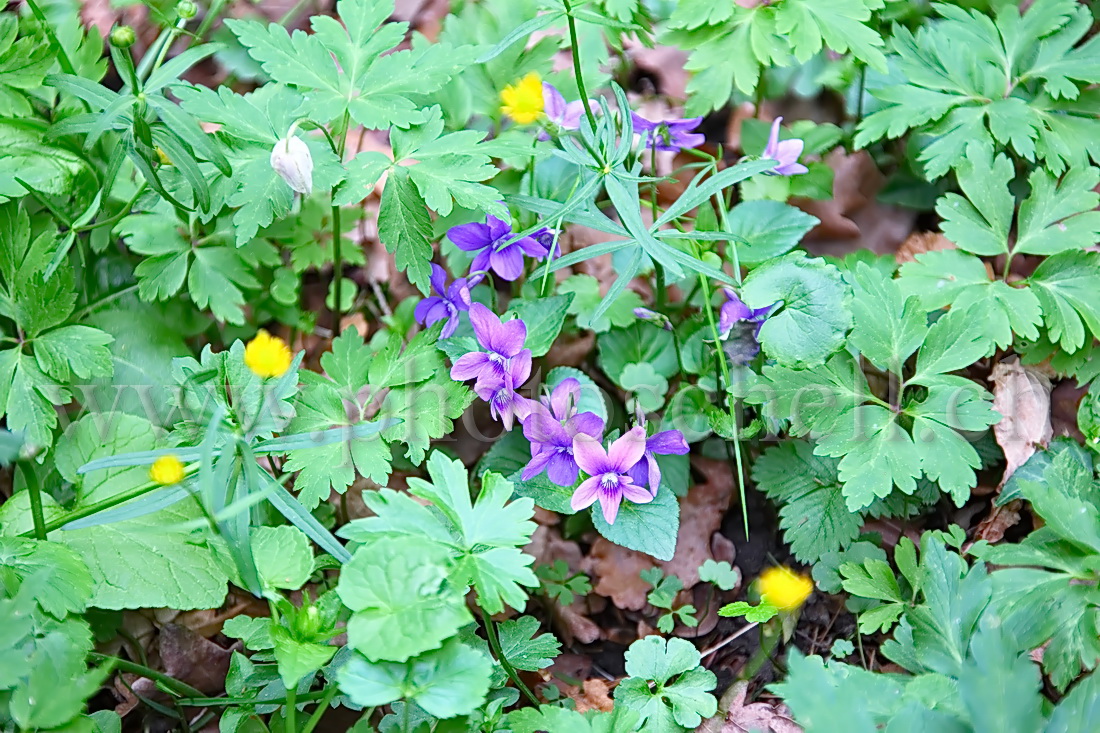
x: 735, y: 715
x: 593, y: 696
x: 1021, y: 394
x: 617, y: 571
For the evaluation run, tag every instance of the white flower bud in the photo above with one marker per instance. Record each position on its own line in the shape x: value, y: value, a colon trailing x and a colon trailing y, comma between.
x: 292, y: 161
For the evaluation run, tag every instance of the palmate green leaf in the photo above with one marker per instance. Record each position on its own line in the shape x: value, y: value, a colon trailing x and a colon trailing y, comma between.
x: 1057, y: 215
x: 298, y: 659
x: 667, y: 685
x: 814, y: 310
x: 1066, y: 285
x: 1079, y: 708
x: 446, y: 682
x: 813, y: 517
x: 947, y: 457
x: 959, y: 104
x: 955, y: 341
x: 80, y: 351
x: 401, y: 600
x: 544, y: 318
x: 587, y: 297
x: 811, y: 399
x: 346, y: 68
x: 28, y: 396
x: 67, y: 585
x: 484, y: 536
x: 952, y: 278
x: 729, y: 44
x: 23, y: 64
x: 523, y: 649
x: 640, y: 343
x: 837, y: 696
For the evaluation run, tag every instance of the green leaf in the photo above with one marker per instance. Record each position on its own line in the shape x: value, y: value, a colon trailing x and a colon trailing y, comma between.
x: 872, y: 579
x: 405, y: 228
x: 952, y: 278
x: 650, y: 528
x: 641, y: 343
x: 587, y: 298
x: 523, y: 649
x: 347, y: 68
x: 666, y: 684
x: 720, y: 574
x: 284, y: 557
x: 999, y: 684
x: 1066, y: 285
x: 66, y: 583
x: 69, y: 351
x: 484, y: 536
x: 813, y: 517
x: 955, y: 341
x: 298, y: 659
x: 446, y: 682
x: 980, y: 222
x: 401, y: 600
x: 766, y: 229
x: 814, y: 311
x: 759, y: 613
x: 891, y: 327
x: 555, y: 718
x: 544, y: 318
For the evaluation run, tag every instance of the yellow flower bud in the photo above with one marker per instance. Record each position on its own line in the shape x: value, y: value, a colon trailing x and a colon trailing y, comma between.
x: 267, y: 355
x: 784, y: 588
x: 523, y: 101
x: 166, y: 470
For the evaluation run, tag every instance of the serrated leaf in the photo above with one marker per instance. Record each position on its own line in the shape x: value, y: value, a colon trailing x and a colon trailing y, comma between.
x: 890, y: 326
x: 667, y: 685
x: 284, y: 556
x: 1066, y: 285
x: 523, y: 649
x: 650, y: 528
x: 405, y: 228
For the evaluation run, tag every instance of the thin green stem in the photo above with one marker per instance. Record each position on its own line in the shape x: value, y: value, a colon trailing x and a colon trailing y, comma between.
x: 122, y: 213
x: 498, y: 652
x: 208, y: 20
x: 177, y: 687
x: 116, y: 500
x: 337, y: 233
x: 225, y: 702
x: 290, y: 725
x: 163, y: 44
x: 35, y: 492
x: 322, y: 706
x: 730, y: 402
x: 575, y: 47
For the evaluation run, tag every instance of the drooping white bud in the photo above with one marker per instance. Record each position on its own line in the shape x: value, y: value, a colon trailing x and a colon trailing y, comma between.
x: 291, y: 159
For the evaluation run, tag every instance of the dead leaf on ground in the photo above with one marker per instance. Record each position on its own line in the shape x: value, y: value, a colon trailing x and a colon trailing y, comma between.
x: 616, y: 572
x: 920, y: 242
x: 189, y: 658
x: 595, y: 695
x: 992, y: 529
x: 853, y: 219
x: 701, y: 514
x: 1021, y: 394
x: 749, y: 717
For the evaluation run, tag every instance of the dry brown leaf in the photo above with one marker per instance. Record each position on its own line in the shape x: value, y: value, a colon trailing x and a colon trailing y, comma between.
x: 920, y: 242
x: 594, y: 696
x: 992, y: 529
x: 1021, y: 395
x: 853, y: 219
x: 616, y: 571
x: 737, y: 716
x: 701, y: 513
x: 189, y: 658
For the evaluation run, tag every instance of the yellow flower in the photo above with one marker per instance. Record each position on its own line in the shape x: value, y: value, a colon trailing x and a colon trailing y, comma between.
x: 166, y: 470
x: 522, y: 101
x: 267, y: 355
x: 784, y: 588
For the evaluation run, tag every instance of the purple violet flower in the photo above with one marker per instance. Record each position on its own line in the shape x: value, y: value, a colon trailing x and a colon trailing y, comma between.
x: 734, y: 313
x: 668, y: 135
x: 504, y: 342
x: 446, y: 305
x: 786, y: 152
x: 647, y: 472
x: 490, y: 241
x: 609, y: 479
x: 551, y: 427
x: 564, y: 115
x: 505, y: 403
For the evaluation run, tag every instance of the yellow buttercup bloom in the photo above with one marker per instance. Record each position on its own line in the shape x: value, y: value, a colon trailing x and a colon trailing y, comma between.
x: 267, y: 355
x: 523, y: 101
x: 166, y: 470
x: 784, y: 588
